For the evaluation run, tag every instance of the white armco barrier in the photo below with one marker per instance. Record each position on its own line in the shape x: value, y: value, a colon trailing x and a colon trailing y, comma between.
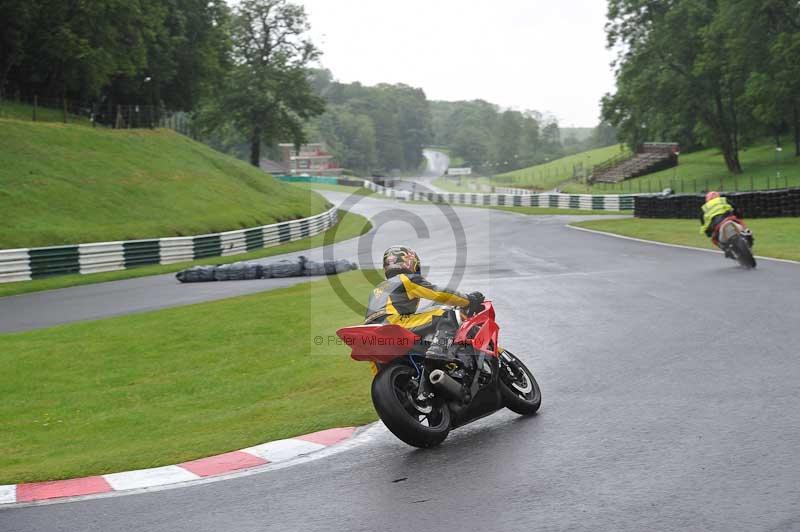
x: 585, y: 202
x: 33, y: 263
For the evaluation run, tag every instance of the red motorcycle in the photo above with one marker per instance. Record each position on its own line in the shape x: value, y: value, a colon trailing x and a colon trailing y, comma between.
x: 421, y: 400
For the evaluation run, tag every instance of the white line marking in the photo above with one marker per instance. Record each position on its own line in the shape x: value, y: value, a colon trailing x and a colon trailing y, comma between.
x: 145, y: 478
x: 8, y: 494
x: 787, y: 261
x: 282, y: 450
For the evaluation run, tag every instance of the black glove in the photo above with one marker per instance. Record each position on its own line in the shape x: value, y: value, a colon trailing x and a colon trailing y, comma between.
x: 475, y: 302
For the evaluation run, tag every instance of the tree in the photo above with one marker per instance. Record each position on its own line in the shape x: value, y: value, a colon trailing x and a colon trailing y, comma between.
x: 769, y: 35
x: 603, y: 135
x: 508, y: 139
x: 267, y: 93
x: 189, y: 56
x: 77, y: 48
x: 169, y: 52
x: 675, y: 63
x: 349, y: 136
x: 15, y: 20
x: 397, y: 117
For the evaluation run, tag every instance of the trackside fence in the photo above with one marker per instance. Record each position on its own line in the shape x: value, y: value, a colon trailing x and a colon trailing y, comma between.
x: 36, y: 263
x: 586, y: 202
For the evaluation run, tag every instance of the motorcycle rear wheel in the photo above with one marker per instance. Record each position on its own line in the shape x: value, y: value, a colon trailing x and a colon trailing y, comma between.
x: 393, y: 395
x: 520, y: 391
x: 743, y: 253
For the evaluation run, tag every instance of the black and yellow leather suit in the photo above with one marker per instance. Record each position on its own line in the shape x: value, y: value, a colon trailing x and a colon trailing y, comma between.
x: 397, y: 300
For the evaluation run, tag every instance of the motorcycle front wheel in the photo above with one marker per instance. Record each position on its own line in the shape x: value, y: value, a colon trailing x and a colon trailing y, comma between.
x: 743, y: 252
x: 394, y: 395
x: 520, y: 391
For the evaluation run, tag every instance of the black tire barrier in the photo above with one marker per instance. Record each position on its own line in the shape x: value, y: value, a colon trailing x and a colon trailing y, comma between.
x: 243, y: 271
x: 350, y: 182
x: 759, y: 204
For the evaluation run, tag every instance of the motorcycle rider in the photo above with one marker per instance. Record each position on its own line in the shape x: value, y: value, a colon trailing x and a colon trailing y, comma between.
x: 713, y: 212
x: 396, y: 301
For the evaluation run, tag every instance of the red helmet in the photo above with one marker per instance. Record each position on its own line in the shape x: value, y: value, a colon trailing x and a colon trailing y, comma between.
x: 712, y: 195
x: 400, y: 259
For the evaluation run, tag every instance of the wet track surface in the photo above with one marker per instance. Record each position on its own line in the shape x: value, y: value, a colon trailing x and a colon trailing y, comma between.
x: 670, y: 381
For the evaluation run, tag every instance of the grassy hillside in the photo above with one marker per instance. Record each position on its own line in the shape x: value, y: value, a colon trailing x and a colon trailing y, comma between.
x: 548, y: 176
x: 21, y: 111
x: 705, y: 170
x: 66, y: 184
x: 459, y: 184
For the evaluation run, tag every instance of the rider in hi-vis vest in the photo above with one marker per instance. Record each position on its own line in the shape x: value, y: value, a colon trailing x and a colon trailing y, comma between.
x: 714, y: 211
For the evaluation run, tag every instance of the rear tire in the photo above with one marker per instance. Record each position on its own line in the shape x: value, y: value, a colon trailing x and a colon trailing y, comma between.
x: 520, y: 391
x: 393, y: 398
x: 743, y: 253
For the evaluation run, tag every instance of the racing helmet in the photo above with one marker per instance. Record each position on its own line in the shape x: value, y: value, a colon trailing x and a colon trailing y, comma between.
x: 712, y: 195
x: 400, y: 259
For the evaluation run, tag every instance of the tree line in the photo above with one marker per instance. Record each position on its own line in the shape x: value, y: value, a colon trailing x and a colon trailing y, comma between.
x: 706, y: 73
x: 244, y: 75
x: 372, y: 129
x: 384, y: 128
x: 122, y: 51
x: 241, y: 69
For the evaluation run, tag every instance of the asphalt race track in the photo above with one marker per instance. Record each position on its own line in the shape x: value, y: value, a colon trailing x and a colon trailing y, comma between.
x: 670, y: 383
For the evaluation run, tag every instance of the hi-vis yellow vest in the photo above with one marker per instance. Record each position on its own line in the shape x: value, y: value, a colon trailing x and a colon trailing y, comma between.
x: 713, y: 208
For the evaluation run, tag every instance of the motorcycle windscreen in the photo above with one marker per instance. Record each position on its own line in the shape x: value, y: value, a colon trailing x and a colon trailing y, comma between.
x: 378, y: 343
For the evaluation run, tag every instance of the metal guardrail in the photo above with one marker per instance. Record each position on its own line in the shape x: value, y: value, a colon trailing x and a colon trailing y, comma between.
x: 325, y: 180
x: 554, y: 201
x: 35, y: 263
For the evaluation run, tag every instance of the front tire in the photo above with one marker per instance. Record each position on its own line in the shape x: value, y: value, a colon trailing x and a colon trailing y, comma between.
x: 393, y: 395
x: 520, y: 391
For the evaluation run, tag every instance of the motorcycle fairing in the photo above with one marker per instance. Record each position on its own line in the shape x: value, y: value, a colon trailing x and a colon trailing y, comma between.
x: 378, y: 343
x: 480, y: 331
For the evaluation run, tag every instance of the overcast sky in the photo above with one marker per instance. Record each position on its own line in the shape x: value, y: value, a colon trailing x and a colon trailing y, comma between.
x: 547, y: 55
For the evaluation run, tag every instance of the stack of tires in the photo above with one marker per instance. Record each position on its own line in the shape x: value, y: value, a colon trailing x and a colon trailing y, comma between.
x: 243, y: 271
x: 766, y: 204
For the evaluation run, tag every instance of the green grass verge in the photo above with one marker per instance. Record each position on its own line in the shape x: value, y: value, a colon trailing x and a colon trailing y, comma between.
x: 775, y: 237
x: 350, y: 226
x: 549, y: 210
x: 21, y: 111
x: 550, y: 175
x: 173, y: 385
x: 361, y: 191
x: 705, y: 170
x: 67, y: 184
x: 461, y: 186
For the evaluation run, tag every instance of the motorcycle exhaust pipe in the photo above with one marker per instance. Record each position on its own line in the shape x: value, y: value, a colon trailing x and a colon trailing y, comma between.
x: 446, y: 384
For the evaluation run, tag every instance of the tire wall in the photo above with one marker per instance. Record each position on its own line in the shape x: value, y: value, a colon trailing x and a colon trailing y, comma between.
x: 759, y: 204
